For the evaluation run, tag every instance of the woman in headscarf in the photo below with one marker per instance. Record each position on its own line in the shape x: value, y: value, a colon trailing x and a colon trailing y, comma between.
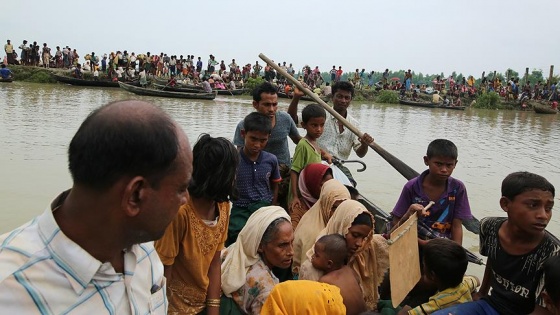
x: 265, y: 242
x: 315, y: 220
x: 304, y: 297
x: 369, y: 254
x: 310, y: 181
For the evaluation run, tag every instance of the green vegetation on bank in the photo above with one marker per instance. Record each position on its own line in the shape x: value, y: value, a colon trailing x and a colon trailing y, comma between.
x: 489, y: 100
x: 386, y: 96
x: 32, y: 74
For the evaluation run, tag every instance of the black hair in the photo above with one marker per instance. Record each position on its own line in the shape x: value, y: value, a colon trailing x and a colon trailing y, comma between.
x: 215, y: 163
x: 520, y: 182
x: 551, y: 269
x: 447, y: 260
x: 344, y: 86
x: 256, y: 121
x: 312, y: 111
x: 442, y: 147
x: 266, y: 87
x: 107, y: 147
x: 335, y: 248
x: 363, y: 218
x: 271, y: 230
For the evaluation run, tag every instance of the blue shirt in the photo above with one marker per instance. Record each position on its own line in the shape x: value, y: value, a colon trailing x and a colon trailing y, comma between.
x: 253, y: 178
x: 5, y: 73
x: 277, y: 142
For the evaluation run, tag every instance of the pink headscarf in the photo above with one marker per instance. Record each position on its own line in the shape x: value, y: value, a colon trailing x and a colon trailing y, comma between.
x: 310, y: 182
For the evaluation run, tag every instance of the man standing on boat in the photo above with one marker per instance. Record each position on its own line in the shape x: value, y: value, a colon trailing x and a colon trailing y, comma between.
x: 336, y: 139
x: 91, y: 250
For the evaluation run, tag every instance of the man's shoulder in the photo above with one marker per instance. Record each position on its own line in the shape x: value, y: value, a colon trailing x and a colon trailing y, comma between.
x: 18, y: 247
x: 284, y: 118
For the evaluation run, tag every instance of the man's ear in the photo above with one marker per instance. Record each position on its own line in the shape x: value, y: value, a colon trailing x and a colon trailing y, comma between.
x: 255, y: 104
x: 243, y: 133
x: 426, y: 160
x: 504, y: 203
x: 135, y: 193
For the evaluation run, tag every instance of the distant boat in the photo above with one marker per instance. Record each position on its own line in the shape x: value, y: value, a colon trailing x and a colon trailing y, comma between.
x: 195, y: 89
x: 544, y: 110
x: 430, y: 105
x: 7, y: 80
x: 153, y: 92
x: 86, y: 82
x: 303, y: 98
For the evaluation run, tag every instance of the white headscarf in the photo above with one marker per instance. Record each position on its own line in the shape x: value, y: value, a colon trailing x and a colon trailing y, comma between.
x: 243, y: 253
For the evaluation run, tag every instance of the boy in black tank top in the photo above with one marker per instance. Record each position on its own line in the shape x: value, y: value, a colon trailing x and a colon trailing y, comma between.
x: 516, y: 247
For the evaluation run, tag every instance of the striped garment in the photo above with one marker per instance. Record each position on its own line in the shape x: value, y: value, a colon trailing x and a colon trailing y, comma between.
x: 448, y: 297
x: 44, y: 272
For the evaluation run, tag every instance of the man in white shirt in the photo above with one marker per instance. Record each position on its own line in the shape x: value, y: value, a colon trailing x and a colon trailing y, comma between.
x: 337, y: 139
x: 91, y: 251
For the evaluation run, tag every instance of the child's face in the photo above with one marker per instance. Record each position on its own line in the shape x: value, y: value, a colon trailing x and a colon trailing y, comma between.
x: 441, y: 167
x: 319, y: 260
x: 529, y: 211
x: 355, y: 237
x: 255, y: 141
x: 314, y: 127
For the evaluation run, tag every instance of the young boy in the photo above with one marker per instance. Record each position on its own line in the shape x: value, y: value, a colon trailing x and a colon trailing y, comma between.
x: 445, y: 263
x: 516, y: 246
x: 551, y: 293
x: 307, y: 150
x: 257, y: 175
x: 436, y: 184
x: 330, y: 257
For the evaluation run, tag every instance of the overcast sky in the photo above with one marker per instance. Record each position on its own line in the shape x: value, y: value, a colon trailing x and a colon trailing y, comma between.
x: 426, y: 36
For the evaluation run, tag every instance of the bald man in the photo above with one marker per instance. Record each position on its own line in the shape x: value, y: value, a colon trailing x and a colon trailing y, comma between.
x: 90, y: 252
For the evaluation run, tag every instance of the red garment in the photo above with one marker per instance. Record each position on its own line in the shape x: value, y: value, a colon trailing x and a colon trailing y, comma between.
x: 310, y: 179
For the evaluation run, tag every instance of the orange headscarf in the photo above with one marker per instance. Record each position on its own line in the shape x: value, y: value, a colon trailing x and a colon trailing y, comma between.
x: 296, y: 297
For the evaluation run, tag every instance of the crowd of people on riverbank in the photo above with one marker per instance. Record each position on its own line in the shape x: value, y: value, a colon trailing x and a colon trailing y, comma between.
x: 247, y: 227
x: 122, y: 65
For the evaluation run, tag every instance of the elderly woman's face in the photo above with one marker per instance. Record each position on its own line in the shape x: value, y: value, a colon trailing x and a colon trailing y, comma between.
x: 280, y: 251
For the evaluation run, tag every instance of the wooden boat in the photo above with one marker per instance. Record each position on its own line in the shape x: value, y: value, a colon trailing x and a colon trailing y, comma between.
x: 303, y: 98
x: 429, y: 104
x: 195, y: 89
x: 85, y: 82
x: 7, y: 80
x: 544, y: 110
x: 153, y: 92
x: 416, y: 103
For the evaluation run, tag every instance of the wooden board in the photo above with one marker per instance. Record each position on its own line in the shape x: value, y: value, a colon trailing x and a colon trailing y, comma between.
x: 404, y: 260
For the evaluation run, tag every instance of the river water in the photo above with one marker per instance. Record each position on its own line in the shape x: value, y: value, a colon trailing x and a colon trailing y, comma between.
x: 37, y: 122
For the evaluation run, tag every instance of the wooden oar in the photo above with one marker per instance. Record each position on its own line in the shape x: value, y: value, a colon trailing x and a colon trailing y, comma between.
x: 472, y: 225
x: 399, y: 165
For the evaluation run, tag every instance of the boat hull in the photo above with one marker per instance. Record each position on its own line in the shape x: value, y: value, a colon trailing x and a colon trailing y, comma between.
x: 152, y: 92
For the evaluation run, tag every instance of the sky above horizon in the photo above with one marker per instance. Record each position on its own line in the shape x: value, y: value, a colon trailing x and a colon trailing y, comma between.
x: 430, y: 37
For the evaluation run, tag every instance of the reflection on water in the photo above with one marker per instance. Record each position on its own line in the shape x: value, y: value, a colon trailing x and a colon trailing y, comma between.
x: 38, y: 121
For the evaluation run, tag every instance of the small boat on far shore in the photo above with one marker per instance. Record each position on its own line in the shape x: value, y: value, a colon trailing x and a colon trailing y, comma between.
x: 303, y: 98
x: 429, y: 104
x: 194, y: 89
x: 153, y: 92
x: 86, y: 82
x: 7, y: 80
x: 544, y: 110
